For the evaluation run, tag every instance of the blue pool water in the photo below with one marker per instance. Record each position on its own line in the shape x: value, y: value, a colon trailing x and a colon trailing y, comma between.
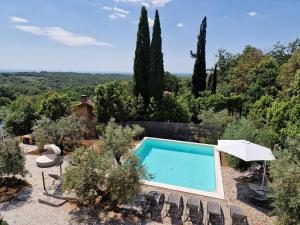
x: 180, y: 164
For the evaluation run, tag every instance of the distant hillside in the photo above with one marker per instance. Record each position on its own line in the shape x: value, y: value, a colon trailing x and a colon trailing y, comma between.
x: 30, y: 83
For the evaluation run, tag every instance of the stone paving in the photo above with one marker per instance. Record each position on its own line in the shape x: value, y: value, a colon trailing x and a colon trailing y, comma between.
x: 25, y: 210
x: 256, y: 216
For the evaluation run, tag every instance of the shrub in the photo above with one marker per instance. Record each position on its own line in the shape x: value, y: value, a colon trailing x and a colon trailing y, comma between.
x: 12, y: 159
x: 113, y: 174
x: 66, y: 132
x: 245, y: 129
x: 285, y: 171
x: 221, y: 118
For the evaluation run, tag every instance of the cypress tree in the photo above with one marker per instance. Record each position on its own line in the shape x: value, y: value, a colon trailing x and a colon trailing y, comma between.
x: 199, y: 74
x: 156, y: 74
x: 142, y: 58
x: 213, y: 80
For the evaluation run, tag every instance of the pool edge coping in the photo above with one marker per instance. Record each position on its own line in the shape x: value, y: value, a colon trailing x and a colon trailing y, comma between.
x: 219, y: 179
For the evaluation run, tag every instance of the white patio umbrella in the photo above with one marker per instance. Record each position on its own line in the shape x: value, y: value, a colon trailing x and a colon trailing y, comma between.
x: 246, y: 151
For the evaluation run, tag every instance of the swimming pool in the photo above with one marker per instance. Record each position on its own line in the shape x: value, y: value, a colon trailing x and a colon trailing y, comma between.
x: 183, y: 166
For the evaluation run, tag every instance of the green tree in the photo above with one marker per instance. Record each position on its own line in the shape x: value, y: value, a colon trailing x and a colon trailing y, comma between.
x: 136, y: 107
x: 172, y: 109
x: 240, y: 74
x: 142, y: 58
x: 172, y: 82
x: 12, y: 159
x: 283, y: 116
x: 55, y: 106
x: 226, y: 61
x: 112, y: 101
x: 285, y: 171
x: 258, y: 111
x: 114, y: 174
x: 263, y: 79
x: 288, y: 73
x: 199, y: 74
x: 117, y: 139
x: 156, y: 74
x: 212, y: 84
x: 21, y: 116
x: 67, y: 132
x: 245, y: 129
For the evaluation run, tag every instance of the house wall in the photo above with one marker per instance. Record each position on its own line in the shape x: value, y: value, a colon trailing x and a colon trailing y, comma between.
x: 85, y: 111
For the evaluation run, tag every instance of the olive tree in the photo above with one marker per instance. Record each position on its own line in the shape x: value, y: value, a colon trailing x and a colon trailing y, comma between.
x: 113, y: 174
x: 12, y: 159
x: 117, y: 139
x: 67, y: 132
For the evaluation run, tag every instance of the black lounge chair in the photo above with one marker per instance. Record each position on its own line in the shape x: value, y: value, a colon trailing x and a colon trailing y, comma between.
x: 174, y: 205
x: 214, y: 213
x: 154, y: 203
x: 193, y: 209
x: 252, y: 173
x: 259, y: 196
x: 237, y: 216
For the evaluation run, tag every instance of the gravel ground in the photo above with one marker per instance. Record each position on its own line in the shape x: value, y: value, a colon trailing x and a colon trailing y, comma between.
x: 26, y: 210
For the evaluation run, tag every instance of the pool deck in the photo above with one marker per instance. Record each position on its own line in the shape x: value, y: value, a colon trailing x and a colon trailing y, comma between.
x: 234, y: 195
x: 25, y: 210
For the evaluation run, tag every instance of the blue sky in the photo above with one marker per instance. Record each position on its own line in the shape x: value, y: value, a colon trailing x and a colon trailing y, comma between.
x: 100, y: 35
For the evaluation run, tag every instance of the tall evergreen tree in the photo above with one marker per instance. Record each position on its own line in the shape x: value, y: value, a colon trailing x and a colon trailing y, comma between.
x: 156, y: 74
x: 199, y: 74
x: 213, y: 80
x: 142, y: 58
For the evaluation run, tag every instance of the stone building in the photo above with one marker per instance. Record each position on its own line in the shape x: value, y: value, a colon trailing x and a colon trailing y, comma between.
x: 85, y: 110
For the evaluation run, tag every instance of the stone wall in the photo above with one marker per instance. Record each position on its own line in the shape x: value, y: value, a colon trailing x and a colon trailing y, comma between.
x: 181, y: 131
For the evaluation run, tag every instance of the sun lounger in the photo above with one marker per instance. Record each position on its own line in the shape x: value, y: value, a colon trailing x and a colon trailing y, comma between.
x: 252, y: 173
x: 174, y: 205
x: 50, y: 158
x: 237, y: 216
x: 193, y: 209
x: 154, y: 203
x: 213, y: 212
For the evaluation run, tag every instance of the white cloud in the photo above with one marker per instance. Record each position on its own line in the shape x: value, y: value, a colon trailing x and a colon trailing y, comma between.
x: 117, y: 12
x: 252, y: 13
x: 15, y: 19
x: 179, y: 24
x: 107, y: 8
x: 31, y: 29
x: 160, y: 3
x: 147, y: 3
x: 62, y: 36
x: 150, y: 21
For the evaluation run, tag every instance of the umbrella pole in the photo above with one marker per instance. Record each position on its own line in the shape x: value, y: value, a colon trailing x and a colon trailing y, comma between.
x: 263, y: 179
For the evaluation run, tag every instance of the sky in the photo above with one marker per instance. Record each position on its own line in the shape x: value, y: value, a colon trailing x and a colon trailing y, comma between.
x: 100, y: 35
